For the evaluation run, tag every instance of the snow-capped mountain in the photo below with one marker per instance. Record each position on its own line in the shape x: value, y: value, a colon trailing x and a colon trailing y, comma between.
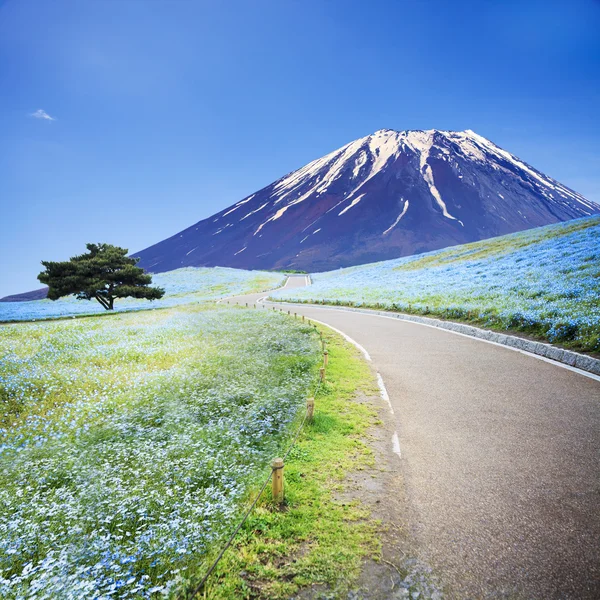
x: 386, y: 195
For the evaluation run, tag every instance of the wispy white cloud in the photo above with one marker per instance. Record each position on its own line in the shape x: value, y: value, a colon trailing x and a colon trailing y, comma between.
x: 42, y: 114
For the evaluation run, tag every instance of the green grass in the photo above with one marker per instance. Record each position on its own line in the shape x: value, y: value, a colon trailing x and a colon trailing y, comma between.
x: 315, y: 538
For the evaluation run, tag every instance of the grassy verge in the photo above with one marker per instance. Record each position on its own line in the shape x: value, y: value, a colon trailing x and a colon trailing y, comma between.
x: 315, y: 538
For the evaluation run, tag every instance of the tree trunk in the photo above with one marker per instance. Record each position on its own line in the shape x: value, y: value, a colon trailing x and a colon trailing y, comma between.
x: 104, y: 302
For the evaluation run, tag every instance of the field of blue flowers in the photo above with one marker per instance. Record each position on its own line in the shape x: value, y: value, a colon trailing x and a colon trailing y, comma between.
x: 128, y: 444
x: 182, y: 286
x: 544, y: 281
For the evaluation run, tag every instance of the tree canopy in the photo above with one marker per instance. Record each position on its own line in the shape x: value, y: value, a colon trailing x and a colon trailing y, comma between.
x: 103, y: 273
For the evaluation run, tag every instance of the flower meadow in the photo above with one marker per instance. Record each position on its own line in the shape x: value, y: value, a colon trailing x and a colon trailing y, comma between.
x: 129, y: 444
x: 544, y: 281
x: 182, y: 286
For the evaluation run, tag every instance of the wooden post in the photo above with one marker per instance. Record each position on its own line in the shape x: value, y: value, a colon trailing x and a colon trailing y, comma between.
x: 277, y: 477
x: 303, y: 318
x: 289, y: 312
x: 246, y: 305
x: 322, y: 374
x: 295, y: 315
x: 325, y: 358
x: 310, y: 409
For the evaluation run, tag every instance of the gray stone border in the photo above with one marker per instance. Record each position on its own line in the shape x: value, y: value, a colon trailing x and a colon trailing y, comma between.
x: 567, y: 357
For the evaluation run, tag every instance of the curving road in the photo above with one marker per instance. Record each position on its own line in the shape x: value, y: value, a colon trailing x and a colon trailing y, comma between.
x: 500, y: 456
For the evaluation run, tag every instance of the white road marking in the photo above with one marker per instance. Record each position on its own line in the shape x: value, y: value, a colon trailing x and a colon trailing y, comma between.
x: 383, y: 391
x: 386, y: 397
x: 396, y: 445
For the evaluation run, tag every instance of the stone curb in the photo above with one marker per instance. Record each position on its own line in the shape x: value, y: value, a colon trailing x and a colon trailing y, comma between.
x: 567, y: 357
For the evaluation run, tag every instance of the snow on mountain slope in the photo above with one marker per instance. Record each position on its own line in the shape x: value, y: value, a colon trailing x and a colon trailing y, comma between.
x: 389, y: 194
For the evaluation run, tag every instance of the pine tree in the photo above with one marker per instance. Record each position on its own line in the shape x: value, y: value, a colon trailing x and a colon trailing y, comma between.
x: 103, y: 273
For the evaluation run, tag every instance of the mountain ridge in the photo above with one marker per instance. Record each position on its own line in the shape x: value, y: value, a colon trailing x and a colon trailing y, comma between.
x: 403, y: 192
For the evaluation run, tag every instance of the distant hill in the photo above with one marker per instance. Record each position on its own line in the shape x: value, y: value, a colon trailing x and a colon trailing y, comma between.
x: 387, y: 195
x: 27, y: 296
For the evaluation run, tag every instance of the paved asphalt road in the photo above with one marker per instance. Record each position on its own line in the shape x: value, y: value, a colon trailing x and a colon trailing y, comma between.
x: 500, y: 458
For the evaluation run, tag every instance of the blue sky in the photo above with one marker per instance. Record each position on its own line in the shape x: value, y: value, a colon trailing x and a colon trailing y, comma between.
x: 166, y: 112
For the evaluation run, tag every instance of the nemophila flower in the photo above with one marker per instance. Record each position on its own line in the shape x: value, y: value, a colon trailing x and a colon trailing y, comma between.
x: 545, y: 280
x: 130, y: 443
